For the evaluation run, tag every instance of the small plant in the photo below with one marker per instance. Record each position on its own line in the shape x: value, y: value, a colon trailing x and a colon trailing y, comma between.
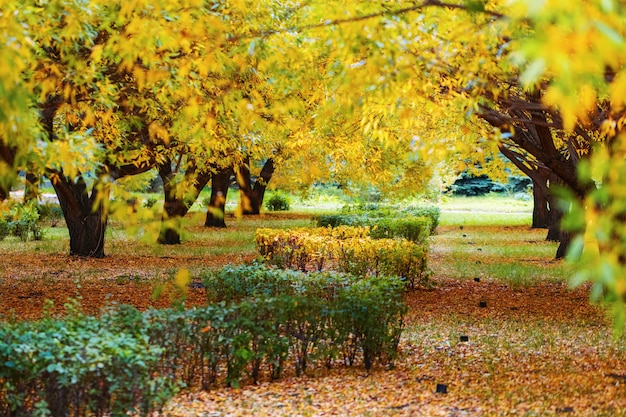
x: 51, y: 212
x: 78, y: 366
x: 150, y: 202
x: 5, y: 228
x: 23, y: 221
x: 277, y: 202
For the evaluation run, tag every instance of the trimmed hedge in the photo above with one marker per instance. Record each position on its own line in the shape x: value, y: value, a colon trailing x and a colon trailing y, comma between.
x: 371, y: 214
x: 416, y: 229
x: 260, y: 320
x: 322, y: 315
x: 77, y: 367
x: 345, y: 249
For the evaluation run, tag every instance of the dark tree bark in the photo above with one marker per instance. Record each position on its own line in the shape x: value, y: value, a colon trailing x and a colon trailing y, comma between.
x: 251, y: 197
x: 535, y: 130
x: 175, y: 207
x: 7, y: 158
x: 86, y: 221
x: 31, y: 187
x: 541, y: 208
x: 215, y: 215
x: 85, y: 216
x: 539, y: 176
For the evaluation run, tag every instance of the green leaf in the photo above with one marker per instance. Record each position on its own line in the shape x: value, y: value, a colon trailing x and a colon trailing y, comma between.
x: 609, y: 32
x: 533, y: 72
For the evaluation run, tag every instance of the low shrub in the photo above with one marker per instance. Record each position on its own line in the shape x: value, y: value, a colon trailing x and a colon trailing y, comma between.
x: 51, y: 212
x: 5, y: 228
x: 349, y: 250
x: 150, y: 202
x: 23, y: 221
x: 431, y: 212
x: 370, y: 319
x: 277, y: 202
x: 371, y: 214
x: 321, y: 314
x: 415, y: 229
x: 259, y: 320
x: 77, y: 367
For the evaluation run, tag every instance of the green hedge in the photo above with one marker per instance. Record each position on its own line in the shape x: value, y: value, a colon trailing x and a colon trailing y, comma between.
x: 259, y: 321
x: 416, y: 229
x: 77, y: 367
x: 371, y: 214
x: 321, y: 315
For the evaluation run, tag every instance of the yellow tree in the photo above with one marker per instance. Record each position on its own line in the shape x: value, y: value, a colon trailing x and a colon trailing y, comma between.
x: 575, y: 55
x: 102, y: 75
x: 448, y: 72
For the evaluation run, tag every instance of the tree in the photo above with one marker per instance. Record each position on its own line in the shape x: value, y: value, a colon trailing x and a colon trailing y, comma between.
x: 251, y: 196
x: 176, y: 204
x: 585, y: 82
x: 457, y: 60
x: 116, y: 85
x: 215, y: 215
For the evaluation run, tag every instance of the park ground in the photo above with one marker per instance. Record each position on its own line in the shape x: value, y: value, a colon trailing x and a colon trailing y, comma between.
x: 534, y: 345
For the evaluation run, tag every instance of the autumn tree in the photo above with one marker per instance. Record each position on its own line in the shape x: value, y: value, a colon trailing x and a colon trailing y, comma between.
x: 575, y: 55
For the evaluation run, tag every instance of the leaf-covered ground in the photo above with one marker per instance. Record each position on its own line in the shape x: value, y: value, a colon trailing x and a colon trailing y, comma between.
x: 534, y: 347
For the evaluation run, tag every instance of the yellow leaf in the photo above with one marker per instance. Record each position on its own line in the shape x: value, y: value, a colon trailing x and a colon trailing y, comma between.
x: 182, y: 279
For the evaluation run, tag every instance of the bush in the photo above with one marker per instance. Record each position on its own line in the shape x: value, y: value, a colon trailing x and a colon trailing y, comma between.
x: 303, y: 247
x: 370, y: 315
x: 375, y: 215
x: 346, y: 249
x: 23, y: 221
x: 319, y: 314
x: 150, y: 202
x: 431, y: 212
x: 5, y: 228
x: 78, y: 367
x: 51, y: 212
x: 277, y: 202
x: 127, y: 361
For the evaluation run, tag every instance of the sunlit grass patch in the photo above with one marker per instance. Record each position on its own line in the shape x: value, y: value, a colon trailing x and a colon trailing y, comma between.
x: 513, y: 255
x: 492, y: 210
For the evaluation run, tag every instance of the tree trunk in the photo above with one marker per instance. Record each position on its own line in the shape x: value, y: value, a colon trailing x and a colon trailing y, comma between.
x: 7, y: 164
x: 86, y: 221
x: 31, y: 187
x: 565, y: 239
x: 251, y: 199
x: 173, y: 212
x: 555, y: 234
x: 217, y: 205
x: 175, y: 207
x: 541, y: 210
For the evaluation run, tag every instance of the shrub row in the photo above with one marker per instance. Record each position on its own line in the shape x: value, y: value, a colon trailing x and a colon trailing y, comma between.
x: 369, y: 214
x: 260, y: 320
x: 77, y: 367
x: 345, y: 249
x: 321, y: 315
x: 416, y: 229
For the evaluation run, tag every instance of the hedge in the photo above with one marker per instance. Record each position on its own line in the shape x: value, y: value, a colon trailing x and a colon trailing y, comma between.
x: 78, y: 367
x: 260, y: 319
x: 345, y: 249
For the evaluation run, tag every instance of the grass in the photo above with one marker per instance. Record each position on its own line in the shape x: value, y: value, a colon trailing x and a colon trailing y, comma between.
x: 492, y: 210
